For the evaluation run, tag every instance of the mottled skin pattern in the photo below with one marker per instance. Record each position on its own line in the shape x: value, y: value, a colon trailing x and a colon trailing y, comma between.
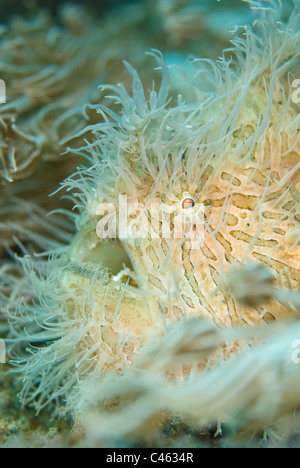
x: 250, y: 215
x: 234, y: 150
x: 245, y: 219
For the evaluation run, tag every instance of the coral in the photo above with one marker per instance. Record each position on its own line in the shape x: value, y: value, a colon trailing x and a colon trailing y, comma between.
x: 37, y: 65
x: 196, y: 22
x: 44, y: 103
x: 52, y: 69
x: 143, y: 315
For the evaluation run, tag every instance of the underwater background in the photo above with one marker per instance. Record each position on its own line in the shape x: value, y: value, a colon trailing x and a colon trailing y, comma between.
x: 54, y: 56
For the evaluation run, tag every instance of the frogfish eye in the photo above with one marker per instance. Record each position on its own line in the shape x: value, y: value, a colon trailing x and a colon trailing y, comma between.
x: 188, y: 203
